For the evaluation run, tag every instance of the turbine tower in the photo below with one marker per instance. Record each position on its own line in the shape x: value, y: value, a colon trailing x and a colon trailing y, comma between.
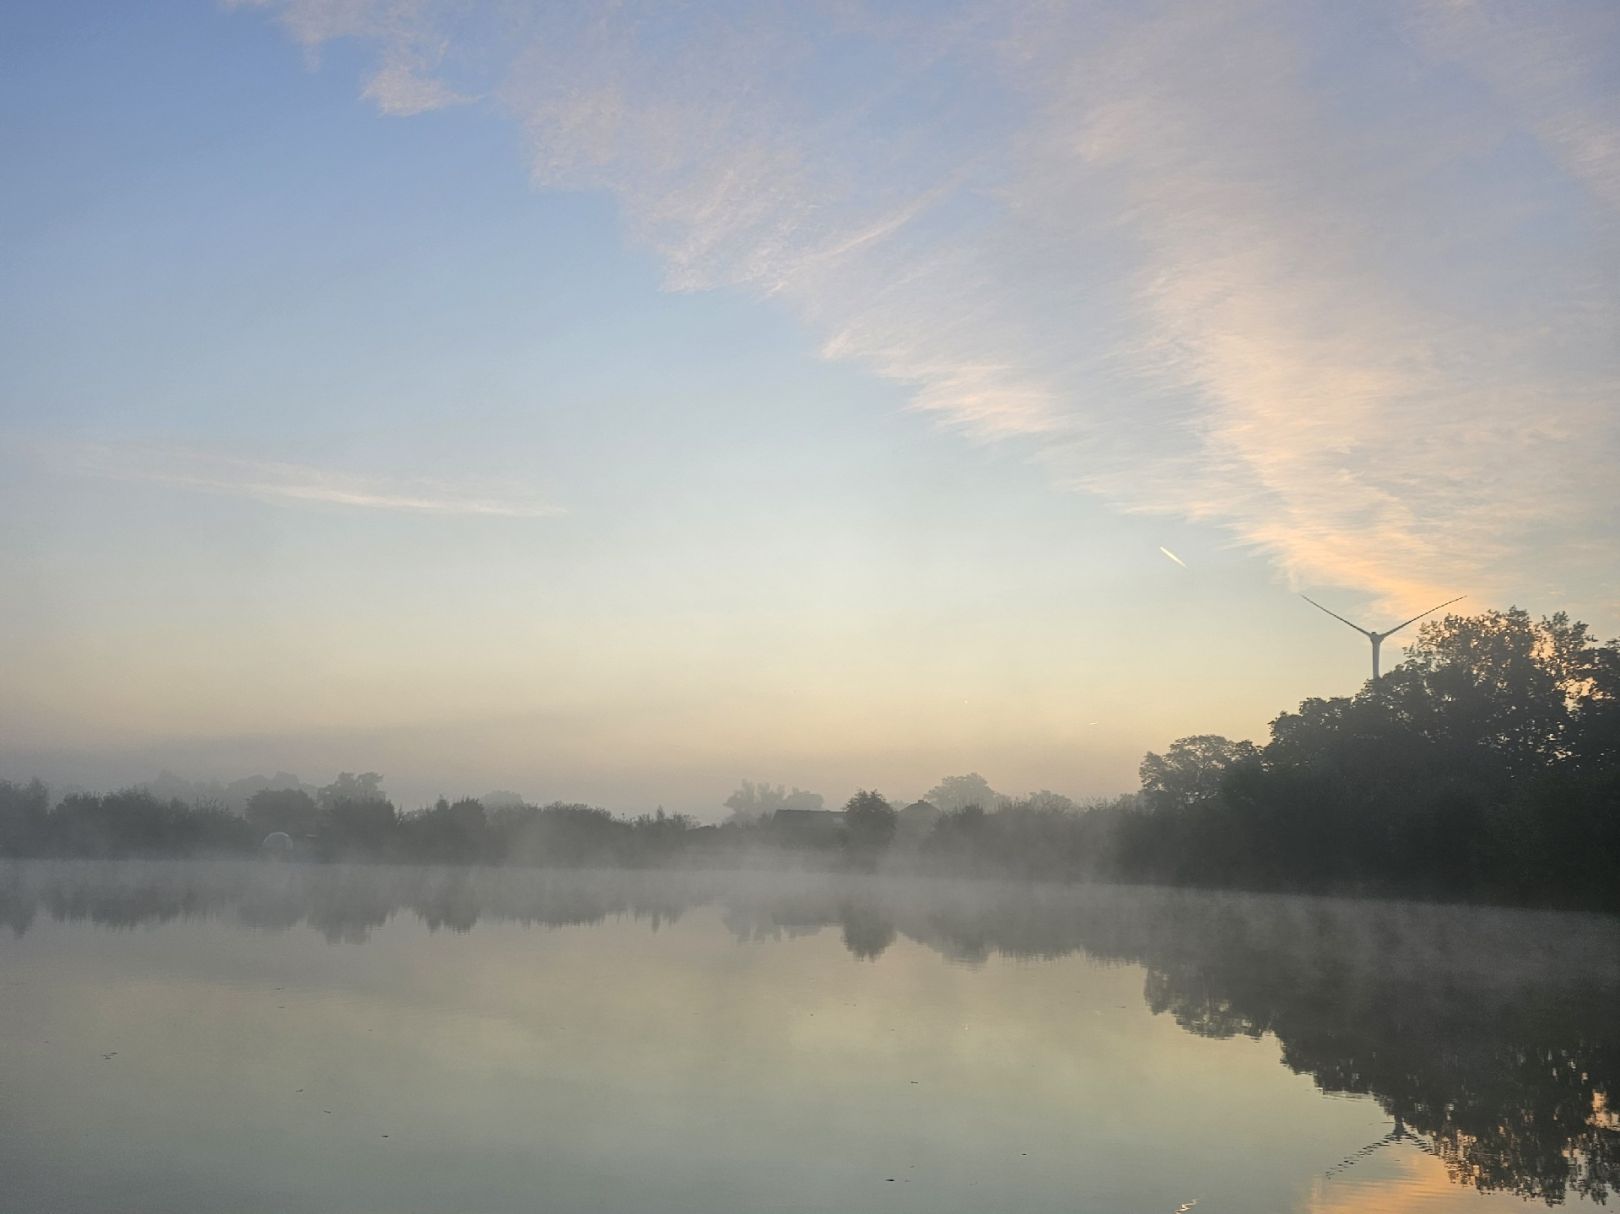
x: 1377, y: 638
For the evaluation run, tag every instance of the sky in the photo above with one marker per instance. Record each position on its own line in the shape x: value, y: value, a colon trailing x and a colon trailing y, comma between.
x: 613, y: 402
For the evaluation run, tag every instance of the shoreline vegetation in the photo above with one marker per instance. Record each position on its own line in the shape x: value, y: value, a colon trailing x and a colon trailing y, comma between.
x: 1485, y: 768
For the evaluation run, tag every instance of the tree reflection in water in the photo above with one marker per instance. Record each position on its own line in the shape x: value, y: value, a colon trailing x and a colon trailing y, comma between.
x: 1490, y: 1037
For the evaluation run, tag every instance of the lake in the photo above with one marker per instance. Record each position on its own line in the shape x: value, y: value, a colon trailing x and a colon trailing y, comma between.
x: 287, y: 1037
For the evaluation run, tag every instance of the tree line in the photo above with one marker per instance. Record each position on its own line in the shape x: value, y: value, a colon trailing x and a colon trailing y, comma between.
x: 1485, y: 766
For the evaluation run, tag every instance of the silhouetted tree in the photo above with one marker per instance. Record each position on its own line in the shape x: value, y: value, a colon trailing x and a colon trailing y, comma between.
x: 449, y: 833
x: 285, y: 809
x: 134, y: 822
x: 1510, y: 685
x: 751, y: 801
x: 1191, y: 771
x: 958, y: 838
x: 958, y: 792
x: 1596, y: 735
x: 501, y: 798
x: 1044, y: 801
x: 1483, y: 766
x: 24, y: 818
x: 870, y: 821
x: 561, y: 834
x: 868, y: 932
x: 357, y: 828
x: 364, y: 788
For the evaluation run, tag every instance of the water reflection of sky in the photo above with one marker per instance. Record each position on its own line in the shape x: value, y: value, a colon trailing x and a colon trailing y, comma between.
x: 715, y: 1063
x: 1403, y: 1181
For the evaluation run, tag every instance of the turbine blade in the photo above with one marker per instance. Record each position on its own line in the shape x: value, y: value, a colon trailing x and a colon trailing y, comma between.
x: 1430, y: 611
x: 1335, y: 615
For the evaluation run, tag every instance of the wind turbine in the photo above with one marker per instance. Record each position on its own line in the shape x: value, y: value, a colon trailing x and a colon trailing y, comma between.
x: 1377, y: 638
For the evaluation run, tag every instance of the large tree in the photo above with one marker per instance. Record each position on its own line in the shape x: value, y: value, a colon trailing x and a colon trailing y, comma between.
x: 285, y: 809
x: 1191, y: 770
x: 958, y: 792
x: 752, y: 801
x: 1506, y: 685
x: 870, y: 821
x: 24, y: 818
x: 365, y: 787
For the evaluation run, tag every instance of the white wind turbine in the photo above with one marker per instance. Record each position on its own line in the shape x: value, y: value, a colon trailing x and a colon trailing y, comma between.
x: 1377, y: 638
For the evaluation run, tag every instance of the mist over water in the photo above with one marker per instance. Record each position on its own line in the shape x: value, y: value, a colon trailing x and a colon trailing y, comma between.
x: 261, y: 1036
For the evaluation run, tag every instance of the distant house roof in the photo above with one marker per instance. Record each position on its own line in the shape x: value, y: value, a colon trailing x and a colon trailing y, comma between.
x: 918, y: 818
x: 794, y: 816
x: 806, y: 823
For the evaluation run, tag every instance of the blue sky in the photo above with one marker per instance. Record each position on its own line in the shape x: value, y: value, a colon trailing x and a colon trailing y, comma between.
x: 617, y: 402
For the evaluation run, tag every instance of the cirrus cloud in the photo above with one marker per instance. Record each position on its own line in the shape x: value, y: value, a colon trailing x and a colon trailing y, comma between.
x: 1340, y: 280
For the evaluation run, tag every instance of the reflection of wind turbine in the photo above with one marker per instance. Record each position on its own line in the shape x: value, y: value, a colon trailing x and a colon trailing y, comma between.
x: 1377, y: 638
x: 1399, y: 1134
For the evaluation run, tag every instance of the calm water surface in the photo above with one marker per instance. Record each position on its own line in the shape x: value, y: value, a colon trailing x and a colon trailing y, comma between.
x: 244, y: 1037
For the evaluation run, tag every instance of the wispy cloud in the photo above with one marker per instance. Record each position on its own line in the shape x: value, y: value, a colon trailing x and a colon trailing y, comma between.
x: 1338, y: 279
x: 402, y: 88
x: 284, y: 483
x: 1552, y: 66
x: 411, y: 47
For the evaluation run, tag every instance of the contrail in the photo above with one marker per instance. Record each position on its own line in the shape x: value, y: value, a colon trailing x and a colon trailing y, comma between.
x: 1172, y: 556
